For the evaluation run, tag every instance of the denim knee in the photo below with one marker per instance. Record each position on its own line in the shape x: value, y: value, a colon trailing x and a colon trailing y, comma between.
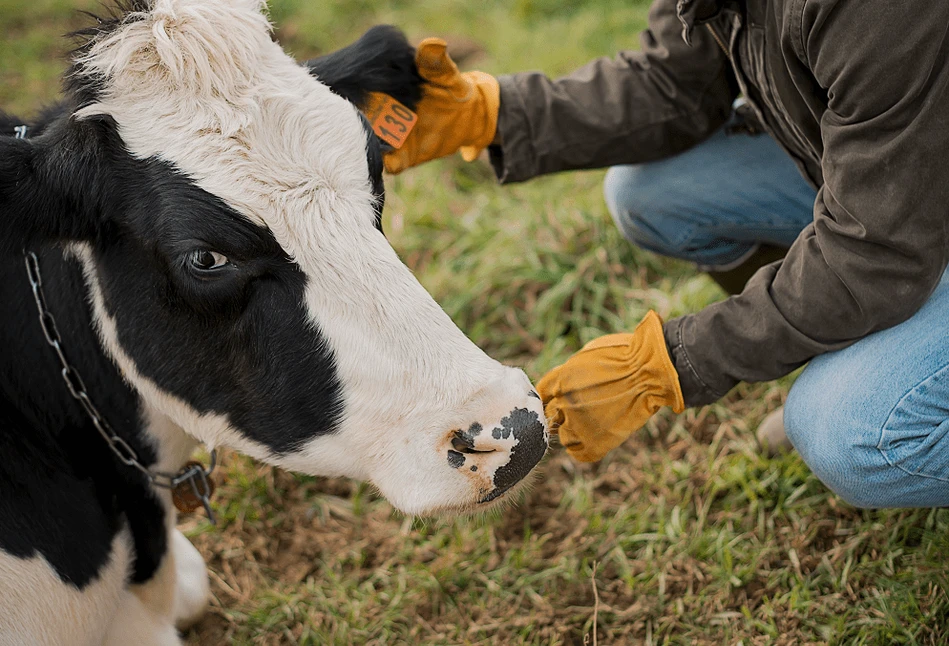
x: 834, y: 444
x: 657, y: 211
x: 872, y: 449
x: 636, y: 209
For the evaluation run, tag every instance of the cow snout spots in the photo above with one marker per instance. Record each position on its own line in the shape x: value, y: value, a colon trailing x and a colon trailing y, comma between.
x: 455, y: 459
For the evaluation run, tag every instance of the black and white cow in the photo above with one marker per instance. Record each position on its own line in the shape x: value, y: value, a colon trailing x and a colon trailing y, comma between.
x: 206, y: 214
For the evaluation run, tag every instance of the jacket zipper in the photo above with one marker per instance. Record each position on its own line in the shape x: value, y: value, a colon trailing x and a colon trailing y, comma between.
x: 718, y: 39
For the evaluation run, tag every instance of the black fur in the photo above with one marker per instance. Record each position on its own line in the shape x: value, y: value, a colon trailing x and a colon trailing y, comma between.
x: 8, y: 123
x: 380, y: 61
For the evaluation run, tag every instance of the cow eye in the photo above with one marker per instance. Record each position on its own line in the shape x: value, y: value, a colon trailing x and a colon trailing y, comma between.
x: 204, y: 261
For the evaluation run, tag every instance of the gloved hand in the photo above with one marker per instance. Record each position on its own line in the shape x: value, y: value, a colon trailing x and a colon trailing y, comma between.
x: 609, y: 389
x: 457, y: 111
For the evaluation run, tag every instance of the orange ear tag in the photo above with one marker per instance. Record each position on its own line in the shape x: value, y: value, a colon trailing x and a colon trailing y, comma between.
x: 390, y: 120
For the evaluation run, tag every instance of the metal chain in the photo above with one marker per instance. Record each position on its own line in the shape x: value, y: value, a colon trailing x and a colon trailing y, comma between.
x: 21, y: 132
x: 197, y: 475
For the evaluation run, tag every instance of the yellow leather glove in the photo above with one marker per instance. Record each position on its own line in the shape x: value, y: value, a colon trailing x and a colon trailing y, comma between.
x: 457, y: 111
x: 609, y: 389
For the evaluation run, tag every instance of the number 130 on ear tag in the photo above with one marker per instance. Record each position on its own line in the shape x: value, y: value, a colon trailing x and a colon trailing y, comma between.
x: 390, y: 120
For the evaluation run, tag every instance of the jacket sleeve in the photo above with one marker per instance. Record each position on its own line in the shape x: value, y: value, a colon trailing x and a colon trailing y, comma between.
x: 636, y: 107
x: 879, y: 243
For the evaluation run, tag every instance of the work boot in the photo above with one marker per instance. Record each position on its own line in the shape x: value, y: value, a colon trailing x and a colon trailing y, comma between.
x: 771, y: 436
x: 734, y: 279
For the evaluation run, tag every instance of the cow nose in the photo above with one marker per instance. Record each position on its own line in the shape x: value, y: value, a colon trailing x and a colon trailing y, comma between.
x: 499, y: 450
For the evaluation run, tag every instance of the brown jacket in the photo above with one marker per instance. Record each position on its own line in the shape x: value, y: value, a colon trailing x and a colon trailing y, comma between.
x: 856, y: 91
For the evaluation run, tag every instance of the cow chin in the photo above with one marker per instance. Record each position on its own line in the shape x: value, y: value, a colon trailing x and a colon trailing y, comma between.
x: 427, y: 507
x: 454, y: 495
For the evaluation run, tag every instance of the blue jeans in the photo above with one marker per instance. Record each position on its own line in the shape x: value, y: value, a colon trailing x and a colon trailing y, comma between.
x: 872, y: 420
x: 713, y: 203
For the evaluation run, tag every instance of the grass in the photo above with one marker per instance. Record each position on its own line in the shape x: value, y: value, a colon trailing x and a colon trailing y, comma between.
x: 694, y: 537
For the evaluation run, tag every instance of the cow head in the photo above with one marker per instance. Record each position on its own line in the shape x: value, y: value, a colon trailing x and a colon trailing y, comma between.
x: 225, y: 204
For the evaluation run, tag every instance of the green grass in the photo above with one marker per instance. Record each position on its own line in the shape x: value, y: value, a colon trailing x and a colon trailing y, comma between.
x: 696, y: 538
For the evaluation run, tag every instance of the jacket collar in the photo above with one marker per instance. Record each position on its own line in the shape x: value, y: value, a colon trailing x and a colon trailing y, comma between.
x: 695, y: 12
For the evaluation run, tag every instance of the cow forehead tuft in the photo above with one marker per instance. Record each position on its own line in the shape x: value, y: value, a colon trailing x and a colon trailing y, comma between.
x: 200, y: 84
x: 196, y: 45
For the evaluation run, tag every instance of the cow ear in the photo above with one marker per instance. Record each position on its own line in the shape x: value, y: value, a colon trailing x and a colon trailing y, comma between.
x: 41, y: 199
x: 380, y: 61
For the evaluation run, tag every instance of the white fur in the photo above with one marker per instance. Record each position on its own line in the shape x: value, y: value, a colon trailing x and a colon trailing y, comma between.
x: 173, y: 446
x: 136, y: 625
x: 193, y: 589
x: 200, y: 84
x: 37, y: 608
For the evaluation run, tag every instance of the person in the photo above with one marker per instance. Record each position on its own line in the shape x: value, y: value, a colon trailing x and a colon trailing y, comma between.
x: 827, y: 190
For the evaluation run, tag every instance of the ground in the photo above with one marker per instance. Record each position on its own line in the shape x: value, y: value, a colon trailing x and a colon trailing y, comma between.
x: 684, y: 535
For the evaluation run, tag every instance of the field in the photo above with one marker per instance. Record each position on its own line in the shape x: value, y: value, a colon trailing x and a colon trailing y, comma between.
x: 685, y: 535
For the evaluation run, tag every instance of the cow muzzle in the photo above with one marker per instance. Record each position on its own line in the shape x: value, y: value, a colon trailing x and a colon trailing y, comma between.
x: 506, y: 439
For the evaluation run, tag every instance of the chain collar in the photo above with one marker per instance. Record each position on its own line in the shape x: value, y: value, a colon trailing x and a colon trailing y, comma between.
x: 190, y: 485
x: 21, y: 132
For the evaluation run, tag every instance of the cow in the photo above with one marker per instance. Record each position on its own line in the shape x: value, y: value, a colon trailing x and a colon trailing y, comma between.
x: 191, y: 252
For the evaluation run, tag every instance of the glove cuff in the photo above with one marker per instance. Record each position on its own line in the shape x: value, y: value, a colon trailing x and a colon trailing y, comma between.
x: 654, y: 355
x: 489, y: 89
